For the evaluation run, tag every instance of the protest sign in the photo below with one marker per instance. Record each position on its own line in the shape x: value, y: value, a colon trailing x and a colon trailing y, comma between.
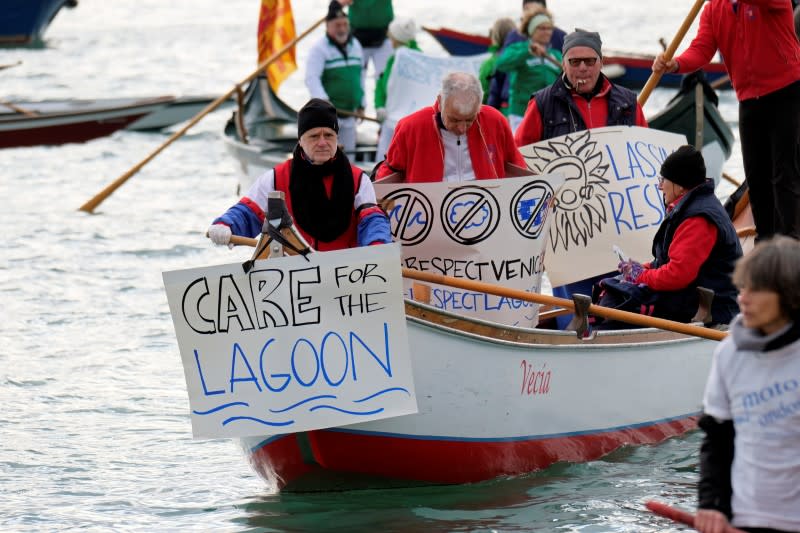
x: 610, y: 197
x: 416, y: 79
x: 485, y: 230
x: 293, y: 344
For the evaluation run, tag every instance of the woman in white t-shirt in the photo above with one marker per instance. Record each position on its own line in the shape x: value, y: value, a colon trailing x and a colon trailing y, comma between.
x: 750, y: 456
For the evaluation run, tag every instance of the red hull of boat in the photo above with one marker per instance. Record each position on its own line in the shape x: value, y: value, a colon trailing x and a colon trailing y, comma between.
x: 75, y: 132
x: 341, y: 459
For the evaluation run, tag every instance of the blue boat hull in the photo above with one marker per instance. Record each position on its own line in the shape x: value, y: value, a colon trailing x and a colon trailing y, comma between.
x: 24, y: 21
x: 635, y: 72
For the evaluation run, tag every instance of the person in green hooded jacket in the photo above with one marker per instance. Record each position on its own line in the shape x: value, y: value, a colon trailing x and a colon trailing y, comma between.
x: 497, y: 35
x: 532, y: 64
x: 370, y: 21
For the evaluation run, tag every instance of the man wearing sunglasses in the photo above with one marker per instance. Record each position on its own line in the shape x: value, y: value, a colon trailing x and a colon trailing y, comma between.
x: 581, y: 98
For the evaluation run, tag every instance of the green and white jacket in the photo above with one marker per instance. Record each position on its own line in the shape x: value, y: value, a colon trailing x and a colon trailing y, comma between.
x: 333, y: 73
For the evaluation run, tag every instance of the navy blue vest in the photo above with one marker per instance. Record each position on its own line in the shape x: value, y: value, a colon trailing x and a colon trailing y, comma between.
x: 561, y: 116
x: 715, y: 273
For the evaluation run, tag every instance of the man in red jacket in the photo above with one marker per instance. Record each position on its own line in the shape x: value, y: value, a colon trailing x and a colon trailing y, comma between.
x: 331, y: 200
x: 456, y: 139
x: 581, y: 98
x: 761, y: 52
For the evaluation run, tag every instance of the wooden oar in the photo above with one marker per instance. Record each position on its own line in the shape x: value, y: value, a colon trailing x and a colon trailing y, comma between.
x: 18, y: 109
x: 654, y: 78
x: 553, y: 60
x: 357, y: 115
x: 719, y: 82
x: 9, y: 65
x: 677, y: 515
x: 731, y: 179
x: 606, y: 312
x: 105, y: 193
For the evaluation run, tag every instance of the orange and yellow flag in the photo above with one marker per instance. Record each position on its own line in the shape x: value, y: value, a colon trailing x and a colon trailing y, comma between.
x: 276, y: 30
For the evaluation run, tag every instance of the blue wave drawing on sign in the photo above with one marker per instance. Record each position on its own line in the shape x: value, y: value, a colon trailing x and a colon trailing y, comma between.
x: 417, y: 218
x: 346, y: 411
x: 384, y: 391
x: 221, y: 407
x: 295, y: 405
x: 254, y: 419
x: 301, y: 402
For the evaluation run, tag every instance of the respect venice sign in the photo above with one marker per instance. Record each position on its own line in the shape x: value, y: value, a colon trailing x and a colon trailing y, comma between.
x: 610, y: 196
x: 492, y: 231
x: 293, y: 344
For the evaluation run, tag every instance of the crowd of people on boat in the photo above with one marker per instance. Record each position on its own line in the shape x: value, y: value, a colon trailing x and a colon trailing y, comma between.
x: 557, y: 87
x: 750, y: 472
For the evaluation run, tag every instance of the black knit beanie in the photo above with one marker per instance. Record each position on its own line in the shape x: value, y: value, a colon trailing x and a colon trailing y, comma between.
x: 685, y: 167
x: 317, y: 113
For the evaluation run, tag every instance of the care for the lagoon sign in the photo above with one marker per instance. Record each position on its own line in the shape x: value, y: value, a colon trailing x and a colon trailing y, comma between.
x: 293, y: 344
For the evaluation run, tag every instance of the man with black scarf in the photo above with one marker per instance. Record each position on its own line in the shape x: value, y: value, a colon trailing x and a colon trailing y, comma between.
x: 331, y: 200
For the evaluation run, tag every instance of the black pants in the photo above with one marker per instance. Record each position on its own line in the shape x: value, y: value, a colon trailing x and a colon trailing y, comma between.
x: 769, y: 129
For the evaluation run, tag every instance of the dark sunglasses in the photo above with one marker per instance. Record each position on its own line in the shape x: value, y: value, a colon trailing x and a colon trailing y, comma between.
x: 576, y: 61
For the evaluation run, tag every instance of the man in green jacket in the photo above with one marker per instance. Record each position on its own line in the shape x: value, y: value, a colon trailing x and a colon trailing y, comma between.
x: 333, y: 73
x: 370, y: 22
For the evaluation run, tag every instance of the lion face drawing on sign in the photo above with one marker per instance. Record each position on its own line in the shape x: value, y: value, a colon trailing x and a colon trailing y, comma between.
x: 579, y: 208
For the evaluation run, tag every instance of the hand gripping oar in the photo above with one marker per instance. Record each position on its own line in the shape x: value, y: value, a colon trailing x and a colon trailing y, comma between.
x: 113, y: 186
x: 677, y: 515
x: 654, y: 78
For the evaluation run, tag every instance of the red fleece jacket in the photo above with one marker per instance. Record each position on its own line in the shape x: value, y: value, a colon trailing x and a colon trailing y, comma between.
x: 418, y: 151
x: 690, y: 248
x: 757, y: 42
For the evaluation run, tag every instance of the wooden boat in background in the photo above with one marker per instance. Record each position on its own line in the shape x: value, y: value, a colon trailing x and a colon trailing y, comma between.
x: 23, y: 22
x: 72, y: 123
x: 262, y: 133
x: 174, y: 110
x: 631, y: 70
x: 181, y: 108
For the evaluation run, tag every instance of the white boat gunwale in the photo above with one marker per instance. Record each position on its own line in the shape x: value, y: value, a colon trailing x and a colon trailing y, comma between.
x: 459, y: 325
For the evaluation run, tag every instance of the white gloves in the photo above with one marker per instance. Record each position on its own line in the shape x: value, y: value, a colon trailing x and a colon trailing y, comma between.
x: 220, y: 234
x: 380, y: 114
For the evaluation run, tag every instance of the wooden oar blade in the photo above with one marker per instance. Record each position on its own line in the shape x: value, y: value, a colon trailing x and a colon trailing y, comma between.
x: 678, y: 515
x: 673, y: 513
